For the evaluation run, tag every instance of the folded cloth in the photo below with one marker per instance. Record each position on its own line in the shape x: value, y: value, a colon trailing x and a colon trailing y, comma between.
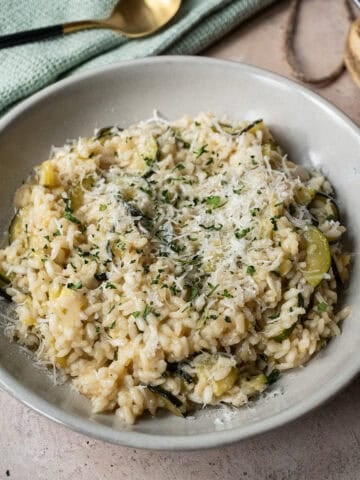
x: 28, y: 68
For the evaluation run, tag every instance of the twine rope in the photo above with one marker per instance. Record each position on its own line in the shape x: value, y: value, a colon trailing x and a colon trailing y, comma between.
x: 290, y: 53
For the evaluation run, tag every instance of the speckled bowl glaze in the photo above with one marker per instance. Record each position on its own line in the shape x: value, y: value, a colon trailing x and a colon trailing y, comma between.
x: 309, y: 128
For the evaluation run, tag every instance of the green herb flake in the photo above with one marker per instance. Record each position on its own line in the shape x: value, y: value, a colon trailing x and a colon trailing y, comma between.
x: 322, y: 307
x: 211, y: 227
x: 241, y: 233
x: 102, y: 207
x: 68, y: 211
x: 57, y: 233
x: 97, y: 329
x: 254, y: 211
x: 110, y: 286
x: 186, y: 145
x: 227, y: 319
x: 174, y: 289
x: 237, y: 191
x: 136, y: 314
x: 214, y: 201
x: 74, y: 286
x: 69, y: 216
x: 274, y: 223
x: 227, y: 294
x: 212, y: 289
x: 251, y: 270
x: 180, y: 166
x: 200, y: 151
x: 112, y: 325
x: 194, y: 292
x: 149, y: 161
x: 147, y: 311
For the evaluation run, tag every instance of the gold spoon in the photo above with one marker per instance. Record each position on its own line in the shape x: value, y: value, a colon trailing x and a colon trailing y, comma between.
x: 131, y: 18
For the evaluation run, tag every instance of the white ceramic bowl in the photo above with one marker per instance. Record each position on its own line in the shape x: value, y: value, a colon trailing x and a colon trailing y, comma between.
x: 310, y: 129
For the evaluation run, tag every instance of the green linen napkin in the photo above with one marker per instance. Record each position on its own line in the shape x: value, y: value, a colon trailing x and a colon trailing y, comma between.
x: 28, y: 68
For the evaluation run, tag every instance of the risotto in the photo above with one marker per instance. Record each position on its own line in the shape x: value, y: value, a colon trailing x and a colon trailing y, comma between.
x: 171, y: 265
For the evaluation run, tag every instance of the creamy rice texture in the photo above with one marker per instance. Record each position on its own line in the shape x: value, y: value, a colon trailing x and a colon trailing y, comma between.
x: 174, y: 264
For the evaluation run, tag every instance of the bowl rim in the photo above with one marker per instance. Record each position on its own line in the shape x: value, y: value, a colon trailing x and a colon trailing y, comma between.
x: 179, y: 442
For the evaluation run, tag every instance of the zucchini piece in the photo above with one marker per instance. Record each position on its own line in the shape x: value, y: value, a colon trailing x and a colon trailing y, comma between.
x: 149, y: 155
x: 284, y: 334
x: 225, y: 384
x: 77, y: 192
x: 340, y: 263
x: 146, y: 155
x: 4, y: 283
x: 15, y: 227
x: 272, y: 377
x: 285, y: 267
x: 170, y: 402
x: 304, y: 195
x: 105, y: 132
x: 4, y: 280
x: 255, y: 385
x: 323, y: 207
x: 48, y: 175
x: 236, y: 132
x: 318, y: 256
x: 177, y: 370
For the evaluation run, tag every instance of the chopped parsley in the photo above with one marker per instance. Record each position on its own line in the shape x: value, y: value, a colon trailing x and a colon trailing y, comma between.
x: 110, y: 285
x: 200, y: 151
x: 274, y: 223
x: 194, y: 292
x: 136, y: 314
x: 322, y: 307
x: 57, y: 233
x: 227, y: 294
x: 212, y: 289
x: 214, y: 201
x: 68, y: 213
x: 102, y: 207
x: 212, y: 227
x: 180, y: 166
x: 241, y: 233
x: 147, y: 311
x: 250, y: 270
x: 113, y: 324
x: 227, y: 319
x: 74, y: 286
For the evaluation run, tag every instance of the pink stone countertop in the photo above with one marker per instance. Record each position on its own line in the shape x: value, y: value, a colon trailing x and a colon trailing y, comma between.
x: 324, y: 444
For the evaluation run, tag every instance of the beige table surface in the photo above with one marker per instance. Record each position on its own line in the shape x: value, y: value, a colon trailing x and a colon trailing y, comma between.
x: 324, y: 444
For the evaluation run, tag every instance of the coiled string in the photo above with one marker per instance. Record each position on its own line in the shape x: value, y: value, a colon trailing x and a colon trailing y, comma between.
x: 290, y: 53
